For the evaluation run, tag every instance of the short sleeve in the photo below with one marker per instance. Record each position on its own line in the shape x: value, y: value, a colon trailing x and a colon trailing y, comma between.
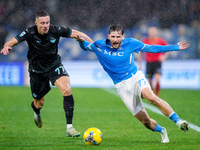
x: 22, y: 36
x: 64, y: 31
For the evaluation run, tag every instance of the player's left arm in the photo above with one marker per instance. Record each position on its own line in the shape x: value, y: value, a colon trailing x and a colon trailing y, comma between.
x: 159, y: 48
x: 77, y: 34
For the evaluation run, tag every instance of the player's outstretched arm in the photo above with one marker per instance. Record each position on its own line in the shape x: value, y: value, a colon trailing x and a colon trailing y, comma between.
x: 160, y: 48
x: 76, y: 34
x: 8, y: 46
x: 183, y: 45
x: 84, y: 44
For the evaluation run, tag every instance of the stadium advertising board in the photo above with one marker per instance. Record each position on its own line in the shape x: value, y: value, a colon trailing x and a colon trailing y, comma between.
x: 12, y: 73
x: 87, y: 74
x: 175, y: 74
x: 181, y: 74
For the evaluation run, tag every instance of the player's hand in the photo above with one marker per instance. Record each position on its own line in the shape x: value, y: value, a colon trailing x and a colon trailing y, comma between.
x: 79, y: 39
x: 183, y: 45
x: 5, y: 50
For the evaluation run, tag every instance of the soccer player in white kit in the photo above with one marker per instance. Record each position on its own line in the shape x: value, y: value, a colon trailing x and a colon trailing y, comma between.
x: 115, y: 54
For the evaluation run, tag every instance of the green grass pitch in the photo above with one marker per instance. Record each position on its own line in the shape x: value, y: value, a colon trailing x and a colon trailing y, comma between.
x: 94, y: 107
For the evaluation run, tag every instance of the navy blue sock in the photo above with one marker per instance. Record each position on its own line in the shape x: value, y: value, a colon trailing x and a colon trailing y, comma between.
x: 37, y: 111
x: 68, y: 105
x: 174, y: 117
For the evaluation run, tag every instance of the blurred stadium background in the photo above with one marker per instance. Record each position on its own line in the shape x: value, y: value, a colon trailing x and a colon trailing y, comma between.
x: 177, y: 20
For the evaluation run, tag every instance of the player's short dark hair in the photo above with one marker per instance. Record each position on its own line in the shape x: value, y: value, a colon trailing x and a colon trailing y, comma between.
x: 116, y: 27
x: 41, y: 14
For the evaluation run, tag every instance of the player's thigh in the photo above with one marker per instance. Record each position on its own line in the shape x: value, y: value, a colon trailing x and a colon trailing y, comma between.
x: 57, y: 73
x: 39, y: 84
x: 129, y: 95
x: 148, y: 94
x: 60, y: 78
x: 63, y: 84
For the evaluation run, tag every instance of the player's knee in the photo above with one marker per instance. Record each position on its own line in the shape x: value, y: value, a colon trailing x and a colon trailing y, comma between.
x: 42, y: 101
x: 66, y: 91
x: 39, y: 103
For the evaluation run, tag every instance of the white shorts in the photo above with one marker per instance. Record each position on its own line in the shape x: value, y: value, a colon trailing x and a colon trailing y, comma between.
x: 130, y: 91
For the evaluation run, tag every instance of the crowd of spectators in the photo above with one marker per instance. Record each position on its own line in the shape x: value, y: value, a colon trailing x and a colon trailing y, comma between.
x: 94, y: 14
x: 15, y: 15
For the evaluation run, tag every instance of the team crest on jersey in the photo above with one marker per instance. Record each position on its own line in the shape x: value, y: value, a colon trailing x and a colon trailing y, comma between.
x: 52, y: 40
x: 99, y: 49
x: 22, y: 34
x: 38, y: 41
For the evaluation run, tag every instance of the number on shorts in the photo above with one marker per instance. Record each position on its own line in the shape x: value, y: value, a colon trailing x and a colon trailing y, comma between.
x: 58, y: 69
x: 142, y: 81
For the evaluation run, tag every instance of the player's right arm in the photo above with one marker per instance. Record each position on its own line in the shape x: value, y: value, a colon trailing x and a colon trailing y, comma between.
x: 85, y: 45
x: 8, y: 46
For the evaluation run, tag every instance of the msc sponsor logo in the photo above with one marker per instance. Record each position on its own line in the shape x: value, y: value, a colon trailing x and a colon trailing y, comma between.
x: 114, y: 53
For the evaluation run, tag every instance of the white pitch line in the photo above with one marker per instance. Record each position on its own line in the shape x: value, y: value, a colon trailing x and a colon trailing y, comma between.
x: 153, y: 109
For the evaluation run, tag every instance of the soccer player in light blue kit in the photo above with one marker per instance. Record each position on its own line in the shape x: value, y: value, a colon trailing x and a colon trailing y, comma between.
x: 116, y: 56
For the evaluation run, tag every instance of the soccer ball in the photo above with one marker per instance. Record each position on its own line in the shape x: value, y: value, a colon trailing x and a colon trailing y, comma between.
x: 92, y: 136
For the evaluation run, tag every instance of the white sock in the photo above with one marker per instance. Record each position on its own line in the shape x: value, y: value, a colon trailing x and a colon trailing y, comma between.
x: 69, y: 126
x: 178, y: 124
x: 163, y: 130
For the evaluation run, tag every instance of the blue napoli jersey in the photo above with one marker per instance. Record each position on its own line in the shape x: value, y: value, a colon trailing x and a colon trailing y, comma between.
x: 119, y: 63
